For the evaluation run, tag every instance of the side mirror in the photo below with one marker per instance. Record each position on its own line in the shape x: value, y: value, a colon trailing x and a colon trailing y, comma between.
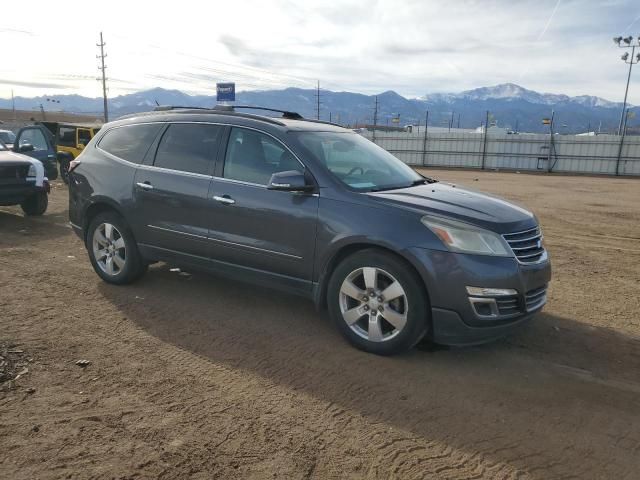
x: 25, y: 147
x: 289, y: 181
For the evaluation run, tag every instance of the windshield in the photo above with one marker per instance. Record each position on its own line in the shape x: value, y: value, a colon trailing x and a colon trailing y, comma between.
x: 7, y: 137
x: 357, y: 162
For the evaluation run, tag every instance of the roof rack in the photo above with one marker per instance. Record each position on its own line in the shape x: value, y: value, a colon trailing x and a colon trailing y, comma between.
x: 164, y: 108
x: 285, y: 113
x: 232, y: 108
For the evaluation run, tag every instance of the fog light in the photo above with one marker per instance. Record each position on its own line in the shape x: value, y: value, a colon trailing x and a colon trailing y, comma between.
x: 490, y: 292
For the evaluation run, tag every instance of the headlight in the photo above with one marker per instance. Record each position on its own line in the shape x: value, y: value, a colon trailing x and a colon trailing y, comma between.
x: 32, y: 171
x: 465, y: 238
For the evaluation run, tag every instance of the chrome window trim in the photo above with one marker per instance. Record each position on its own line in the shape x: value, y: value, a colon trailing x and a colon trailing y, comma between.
x: 170, y: 170
x: 215, y: 240
x: 179, y: 172
x: 106, y: 132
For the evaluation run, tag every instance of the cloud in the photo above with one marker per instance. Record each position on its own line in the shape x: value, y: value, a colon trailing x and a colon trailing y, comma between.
x: 414, y: 47
x: 32, y: 84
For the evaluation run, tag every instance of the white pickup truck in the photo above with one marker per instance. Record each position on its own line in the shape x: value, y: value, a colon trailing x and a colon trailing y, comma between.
x: 23, y: 182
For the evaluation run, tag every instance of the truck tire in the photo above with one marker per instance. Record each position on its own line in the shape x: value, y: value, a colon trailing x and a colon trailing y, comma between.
x: 36, y: 204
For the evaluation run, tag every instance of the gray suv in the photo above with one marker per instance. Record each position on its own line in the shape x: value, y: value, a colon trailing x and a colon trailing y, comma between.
x: 311, y: 208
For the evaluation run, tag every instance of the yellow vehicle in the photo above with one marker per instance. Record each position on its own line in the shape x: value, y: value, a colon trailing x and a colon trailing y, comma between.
x: 70, y: 140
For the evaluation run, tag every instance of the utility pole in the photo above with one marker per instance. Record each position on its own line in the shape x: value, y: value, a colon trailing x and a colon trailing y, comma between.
x: 458, y: 120
x: 451, y: 121
x: 375, y: 120
x: 624, y: 131
x: 625, y: 42
x: 484, y: 145
x: 551, y: 146
x: 13, y: 105
x: 103, y: 67
x: 424, y: 143
x: 318, y: 101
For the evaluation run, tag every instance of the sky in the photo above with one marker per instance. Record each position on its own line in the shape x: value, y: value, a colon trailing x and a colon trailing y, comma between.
x: 411, y: 47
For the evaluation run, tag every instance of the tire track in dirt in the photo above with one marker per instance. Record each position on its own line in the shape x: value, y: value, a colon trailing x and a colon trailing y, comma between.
x: 196, y: 381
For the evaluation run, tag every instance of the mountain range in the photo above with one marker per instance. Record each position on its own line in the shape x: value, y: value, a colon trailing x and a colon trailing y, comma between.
x: 511, y: 106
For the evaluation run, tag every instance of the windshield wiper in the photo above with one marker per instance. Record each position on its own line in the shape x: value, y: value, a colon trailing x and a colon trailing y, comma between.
x: 419, y: 181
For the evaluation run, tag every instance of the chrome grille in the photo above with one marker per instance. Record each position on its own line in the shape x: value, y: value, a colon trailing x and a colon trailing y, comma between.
x: 526, y: 245
x: 536, y: 298
x: 13, y: 172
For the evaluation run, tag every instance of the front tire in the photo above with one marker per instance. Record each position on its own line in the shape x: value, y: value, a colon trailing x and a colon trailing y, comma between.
x: 36, y: 204
x: 113, y: 250
x: 378, y: 302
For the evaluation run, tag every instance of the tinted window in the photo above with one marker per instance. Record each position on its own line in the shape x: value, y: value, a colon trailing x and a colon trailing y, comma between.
x: 253, y: 157
x: 35, y: 137
x: 84, y: 136
x: 67, y: 137
x: 7, y: 137
x: 131, y: 142
x: 188, y: 147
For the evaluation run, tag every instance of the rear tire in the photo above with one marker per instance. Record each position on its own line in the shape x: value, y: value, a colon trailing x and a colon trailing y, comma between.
x: 113, y: 251
x: 64, y: 171
x: 36, y: 204
x: 375, y: 281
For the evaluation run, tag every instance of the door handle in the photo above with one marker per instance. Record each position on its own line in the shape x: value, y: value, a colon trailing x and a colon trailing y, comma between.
x: 145, y: 185
x: 226, y: 199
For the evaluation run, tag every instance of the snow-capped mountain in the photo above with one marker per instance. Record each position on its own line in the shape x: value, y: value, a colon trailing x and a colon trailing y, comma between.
x: 511, y: 91
x: 510, y: 105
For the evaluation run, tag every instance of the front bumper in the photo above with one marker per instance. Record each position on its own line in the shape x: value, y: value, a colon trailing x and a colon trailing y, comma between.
x: 16, y: 194
x: 456, y: 319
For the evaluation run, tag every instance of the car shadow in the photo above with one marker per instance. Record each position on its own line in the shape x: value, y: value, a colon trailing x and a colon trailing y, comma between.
x: 35, y: 229
x: 524, y: 392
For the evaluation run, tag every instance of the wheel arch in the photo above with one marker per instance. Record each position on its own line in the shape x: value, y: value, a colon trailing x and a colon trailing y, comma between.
x: 333, y: 260
x: 95, y: 208
x: 62, y: 156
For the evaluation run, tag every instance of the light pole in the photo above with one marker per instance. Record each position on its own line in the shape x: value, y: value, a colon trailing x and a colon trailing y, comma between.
x: 627, y: 42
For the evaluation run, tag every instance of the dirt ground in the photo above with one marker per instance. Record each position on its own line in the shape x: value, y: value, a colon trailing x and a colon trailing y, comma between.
x: 198, y: 377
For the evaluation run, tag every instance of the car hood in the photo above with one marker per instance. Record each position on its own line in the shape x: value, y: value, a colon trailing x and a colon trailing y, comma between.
x: 14, y: 158
x: 451, y: 201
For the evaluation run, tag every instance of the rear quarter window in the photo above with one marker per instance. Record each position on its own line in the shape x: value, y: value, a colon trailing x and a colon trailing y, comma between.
x: 130, y: 142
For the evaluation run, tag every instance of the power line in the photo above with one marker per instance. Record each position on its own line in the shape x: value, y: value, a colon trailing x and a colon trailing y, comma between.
x: 103, y: 67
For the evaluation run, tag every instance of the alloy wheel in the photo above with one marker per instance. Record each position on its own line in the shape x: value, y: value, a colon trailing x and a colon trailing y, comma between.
x: 109, y: 249
x: 374, y: 304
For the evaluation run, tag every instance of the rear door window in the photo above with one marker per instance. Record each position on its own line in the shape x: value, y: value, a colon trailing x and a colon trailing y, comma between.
x: 130, y: 142
x: 189, y: 147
